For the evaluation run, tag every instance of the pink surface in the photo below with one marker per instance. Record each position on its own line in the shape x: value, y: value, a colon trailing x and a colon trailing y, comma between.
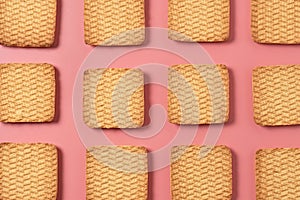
x: 241, y: 134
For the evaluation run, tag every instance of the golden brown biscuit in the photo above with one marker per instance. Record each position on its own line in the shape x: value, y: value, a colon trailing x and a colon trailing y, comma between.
x: 113, y: 98
x: 201, y: 173
x: 27, y: 92
x: 114, y: 23
x: 199, y: 20
x: 115, y: 172
x: 28, y: 171
x: 276, y: 21
x: 198, y: 94
x: 276, y: 94
x: 277, y: 174
x: 29, y: 23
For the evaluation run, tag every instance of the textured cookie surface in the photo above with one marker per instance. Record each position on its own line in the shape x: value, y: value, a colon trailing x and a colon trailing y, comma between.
x: 199, y: 20
x: 114, y: 23
x: 115, y: 172
x: 113, y: 98
x: 27, y: 92
x: 27, y: 23
x: 198, y: 94
x: 277, y: 174
x: 28, y: 171
x: 201, y: 173
x: 276, y: 21
x: 276, y: 93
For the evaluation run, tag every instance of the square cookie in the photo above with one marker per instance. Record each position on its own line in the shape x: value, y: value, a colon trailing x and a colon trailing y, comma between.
x: 276, y: 95
x: 28, y: 171
x: 276, y: 21
x: 27, y: 92
x: 199, y: 20
x: 277, y: 173
x: 114, y: 23
x: 198, y: 94
x: 116, y: 172
x: 27, y: 23
x: 113, y: 98
x: 201, y: 172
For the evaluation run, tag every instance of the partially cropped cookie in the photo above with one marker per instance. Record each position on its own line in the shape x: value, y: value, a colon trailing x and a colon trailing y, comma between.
x: 27, y: 23
x: 113, y: 98
x: 278, y: 173
x: 201, y: 172
x: 276, y: 21
x: 199, y: 20
x: 114, y: 23
x: 27, y: 92
x: 116, y: 172
x: 28, y: 171
x: 276, y: 94
x: 198, y: 94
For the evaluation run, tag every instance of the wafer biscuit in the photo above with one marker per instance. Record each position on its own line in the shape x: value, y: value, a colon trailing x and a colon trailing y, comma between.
x: 276, y: 93
x: 28, y: 171
x: 113, y: 98
x: 114, y: 23
x: 116, y: 172
x: 278, y: 174
x: 29, y: 23
x: 202, y: 173
x: 198, y: 94
x: 199, y: 20
x: 276, y: 21
x: 27, y: 92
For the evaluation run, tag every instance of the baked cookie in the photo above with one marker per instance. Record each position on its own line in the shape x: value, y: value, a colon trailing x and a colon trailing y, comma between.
x: 277, y: 173
x: 113, y: 98
x: 276, y: 95
x: 28, y: 171
x: 201, y: 172
x: 199, y: 20
x: 116, y: 172
x: 275, y: 21
x: 27, y: 92
x: 198, y: 94
x: 29, y: 23
x: 114, y: 23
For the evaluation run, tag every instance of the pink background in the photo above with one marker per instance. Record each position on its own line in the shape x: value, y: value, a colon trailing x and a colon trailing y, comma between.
x: 241, y: 134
